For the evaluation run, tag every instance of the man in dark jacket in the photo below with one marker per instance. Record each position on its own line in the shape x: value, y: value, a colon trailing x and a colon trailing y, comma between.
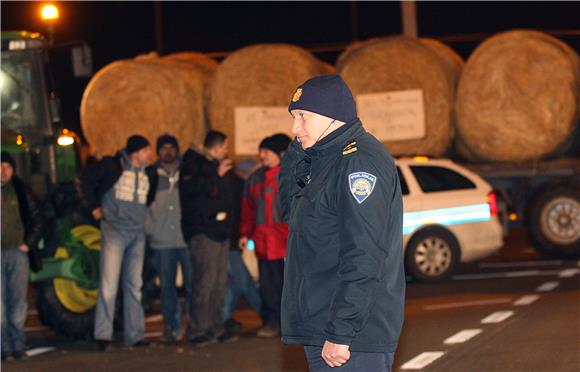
x: 262, y: 222
x: 344, y: 281
x: 21, y: 231
x: 206, y: 225
x: 116, y: 190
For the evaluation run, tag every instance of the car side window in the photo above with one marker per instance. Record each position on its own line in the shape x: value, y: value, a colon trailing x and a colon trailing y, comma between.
x: 432, y: 179
x: 404, y: 187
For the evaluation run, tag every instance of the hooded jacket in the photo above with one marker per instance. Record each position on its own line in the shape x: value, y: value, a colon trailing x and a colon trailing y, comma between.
x: 344, y: 279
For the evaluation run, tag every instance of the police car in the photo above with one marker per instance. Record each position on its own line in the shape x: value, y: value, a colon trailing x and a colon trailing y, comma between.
x: 451, y: 216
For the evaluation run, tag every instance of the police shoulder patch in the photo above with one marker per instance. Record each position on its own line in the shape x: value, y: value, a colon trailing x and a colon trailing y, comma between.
x: 362, y: 185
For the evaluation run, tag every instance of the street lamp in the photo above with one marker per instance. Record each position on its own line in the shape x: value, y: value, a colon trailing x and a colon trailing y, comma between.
x: 49, y: 13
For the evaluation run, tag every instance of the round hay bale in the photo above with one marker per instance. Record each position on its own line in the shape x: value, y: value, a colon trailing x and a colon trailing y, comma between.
x: 258, y: 75
x: 144, y: 97
x: 453, y: 61
x: 517, y: 97
x: 401, y: 63
x: 199, y: 60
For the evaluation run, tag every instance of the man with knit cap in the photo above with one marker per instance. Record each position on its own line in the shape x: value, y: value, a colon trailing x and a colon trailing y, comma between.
x: 262, y: 222
x: 21, y: 230
x: 163, y: 228
x: 116, y: 190
x: 344, y: 283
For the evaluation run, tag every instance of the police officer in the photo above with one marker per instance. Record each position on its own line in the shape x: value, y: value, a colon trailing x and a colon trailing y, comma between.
x: 344, y: 282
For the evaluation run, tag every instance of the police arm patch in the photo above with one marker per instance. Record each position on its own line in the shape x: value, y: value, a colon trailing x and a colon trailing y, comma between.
x: 361, y: 185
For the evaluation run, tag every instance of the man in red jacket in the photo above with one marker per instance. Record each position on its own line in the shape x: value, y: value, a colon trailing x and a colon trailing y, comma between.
x: 262, y: 222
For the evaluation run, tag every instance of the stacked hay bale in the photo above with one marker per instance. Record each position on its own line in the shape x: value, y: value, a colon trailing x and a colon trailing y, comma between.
x: 263, y: 75
x: 402, y: 64
x: 517, y: 98
x: 149, y: 96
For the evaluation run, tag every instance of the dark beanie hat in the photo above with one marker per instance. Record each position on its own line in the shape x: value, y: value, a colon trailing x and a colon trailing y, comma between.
x: 277, y: 143
x: 326, y: 95
x: 165, y: 139
x: 135, y: 143
x: 7, y: 158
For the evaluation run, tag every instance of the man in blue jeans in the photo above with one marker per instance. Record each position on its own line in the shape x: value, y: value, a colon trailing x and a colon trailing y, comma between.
x: 116, y: 191
x: 163, y: 226
x: 21, y: 230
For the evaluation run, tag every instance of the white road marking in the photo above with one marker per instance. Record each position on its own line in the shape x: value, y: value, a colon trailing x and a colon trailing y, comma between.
x: 547, y: 286
x: 526, y: 300
x: 520, y: 264
x: 469, y: 303
x: 498, y: 316
x: 462, y: 336
x: 154, y: 318
x: 422, y: 360
x: 36, y: 328
x: 508, y: 274
x: 39, y: 350
x: 153, y: 334
x: 568, y: 273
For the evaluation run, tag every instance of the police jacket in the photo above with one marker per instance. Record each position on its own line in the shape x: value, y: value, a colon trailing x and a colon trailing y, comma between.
x: 344, y: 280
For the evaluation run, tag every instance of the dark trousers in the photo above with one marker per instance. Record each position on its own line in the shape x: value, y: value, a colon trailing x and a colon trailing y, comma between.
x: 209, y: 263
x: 271, y: 283
x: 359, y: 361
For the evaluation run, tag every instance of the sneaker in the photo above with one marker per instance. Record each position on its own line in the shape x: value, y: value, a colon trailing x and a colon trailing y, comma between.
x: 200, y: 341
x: 142, y: 343
x: 7, y: 357
x: 231, y: 325
x: 20, y: 355
x: 228, y: 337
x: 268, y: 331
x: 168, y: 338
x: 104, y: 345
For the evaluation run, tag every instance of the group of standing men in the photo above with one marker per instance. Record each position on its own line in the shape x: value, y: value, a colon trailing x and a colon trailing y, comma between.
x: 187, y: 210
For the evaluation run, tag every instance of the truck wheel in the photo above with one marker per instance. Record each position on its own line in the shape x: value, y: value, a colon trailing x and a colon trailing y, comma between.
x: 432, y: 254
x: 62, y: 303
x: 553, y: 221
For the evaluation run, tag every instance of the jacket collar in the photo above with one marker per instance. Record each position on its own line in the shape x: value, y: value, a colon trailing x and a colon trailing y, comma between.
x: 336, y: 140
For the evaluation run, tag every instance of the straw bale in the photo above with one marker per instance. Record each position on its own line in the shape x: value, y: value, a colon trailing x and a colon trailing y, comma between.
x: 517, y: 98
x: 453, y: 61
x: 147, y: 97
x: 258, y: 75
x: 199, y: 60
x: 402, y: 63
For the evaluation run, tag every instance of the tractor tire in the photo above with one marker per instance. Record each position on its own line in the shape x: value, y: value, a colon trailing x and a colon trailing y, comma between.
x: 553, y: 221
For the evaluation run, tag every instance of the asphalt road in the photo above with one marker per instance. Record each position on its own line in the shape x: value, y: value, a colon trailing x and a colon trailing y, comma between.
x: 515, y: 311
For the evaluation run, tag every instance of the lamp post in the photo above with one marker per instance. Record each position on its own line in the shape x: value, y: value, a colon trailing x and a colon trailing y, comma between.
x: 49, y: 13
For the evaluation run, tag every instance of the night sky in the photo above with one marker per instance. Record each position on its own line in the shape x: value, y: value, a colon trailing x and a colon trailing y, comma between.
x: 116, y: 30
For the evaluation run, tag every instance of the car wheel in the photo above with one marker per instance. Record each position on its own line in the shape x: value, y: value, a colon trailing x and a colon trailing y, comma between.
x: 432, y: 255
x: 553, y: 221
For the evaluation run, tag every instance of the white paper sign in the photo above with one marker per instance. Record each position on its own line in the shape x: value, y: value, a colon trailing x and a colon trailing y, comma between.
x: 253, y: 124
x: 393, y: 116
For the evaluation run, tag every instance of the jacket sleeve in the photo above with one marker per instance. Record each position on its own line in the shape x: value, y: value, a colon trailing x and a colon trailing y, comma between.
x: 35, y: 222
x: 92, y: 178
x: 362, y: 254
x: 287, y: 183
x: 248, y: 215
x: 194, y: 178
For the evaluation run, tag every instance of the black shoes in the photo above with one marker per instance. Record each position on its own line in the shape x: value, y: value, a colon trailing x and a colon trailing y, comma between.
x: 200, y: 341
x: 231, y: 325
x: 7, y: 357
x: 142, y: 343
x: 104, y: 345
x: 228, y: 337
x: 20, y: 355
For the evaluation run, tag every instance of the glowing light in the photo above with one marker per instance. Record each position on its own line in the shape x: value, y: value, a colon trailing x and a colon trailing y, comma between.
x: 513, y: 216
x: 49, y: 12
x: 19, y: 140
x: 66, y: 138
x: 446, y: 216
x: 421, y: 159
